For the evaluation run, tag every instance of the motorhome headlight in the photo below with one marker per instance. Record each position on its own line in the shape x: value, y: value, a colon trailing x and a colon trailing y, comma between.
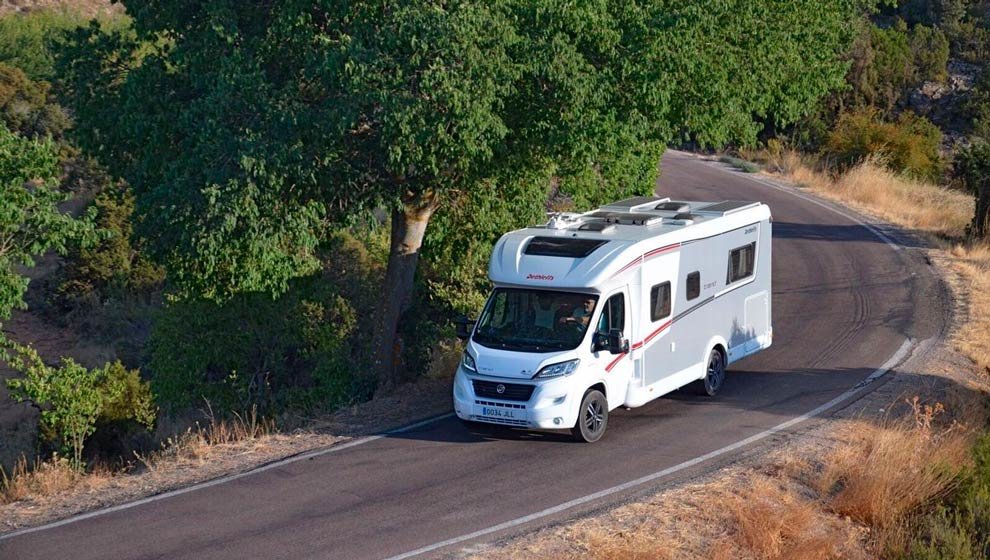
x: 468, y: 363
x: 558, y: 370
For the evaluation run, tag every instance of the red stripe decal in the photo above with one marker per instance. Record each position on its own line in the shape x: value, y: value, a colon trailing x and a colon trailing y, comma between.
x: 648, y: 255
x: 651, y: 336
x: 615, y: 361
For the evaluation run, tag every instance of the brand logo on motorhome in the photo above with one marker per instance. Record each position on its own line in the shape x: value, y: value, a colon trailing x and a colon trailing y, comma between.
x: 539, y: 277
x: 500, y: 389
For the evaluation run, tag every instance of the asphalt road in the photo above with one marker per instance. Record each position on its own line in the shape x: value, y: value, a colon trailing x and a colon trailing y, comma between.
x: 844, y: 302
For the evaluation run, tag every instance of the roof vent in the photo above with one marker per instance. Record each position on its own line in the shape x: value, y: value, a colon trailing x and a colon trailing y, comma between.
x: 684, y: 216
x: 634, y: 204
x: 572, y: 247
x: 599, y: 227
x: 678, y: 207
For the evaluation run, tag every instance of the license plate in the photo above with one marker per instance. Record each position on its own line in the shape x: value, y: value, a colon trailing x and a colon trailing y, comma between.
x: 492, y: 412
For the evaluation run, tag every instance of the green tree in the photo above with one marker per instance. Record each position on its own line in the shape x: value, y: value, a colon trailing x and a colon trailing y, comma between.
x: 30, y: 221
x: 73, y: 399
x: 972, y: 167
x: 246, y: 129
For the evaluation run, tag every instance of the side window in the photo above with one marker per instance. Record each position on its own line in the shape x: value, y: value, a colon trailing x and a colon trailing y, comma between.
x: 693, y: 288
x: 741, y: 263
x: 613, y: 314
x: 660, y: 301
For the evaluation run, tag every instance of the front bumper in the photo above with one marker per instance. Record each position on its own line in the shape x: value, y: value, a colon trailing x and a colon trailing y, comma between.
x: 550, y: 407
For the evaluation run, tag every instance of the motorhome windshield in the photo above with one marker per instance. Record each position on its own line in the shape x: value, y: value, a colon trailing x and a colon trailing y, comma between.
x: 534, y: 320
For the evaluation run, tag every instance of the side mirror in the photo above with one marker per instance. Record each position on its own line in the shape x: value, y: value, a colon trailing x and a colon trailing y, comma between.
x: 463, y: 327
x: 617, y: 344
x: 611, y: 342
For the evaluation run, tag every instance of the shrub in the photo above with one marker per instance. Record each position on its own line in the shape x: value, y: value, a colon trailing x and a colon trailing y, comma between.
x: 26, y: 108
x: 977, y: 106
x: 298, y: 351
x: 27, y: 39
x: 972, y: 167
x: 115, y: 264
x: 960, y: 528
x: 73, y: 399
x: 910, y: 145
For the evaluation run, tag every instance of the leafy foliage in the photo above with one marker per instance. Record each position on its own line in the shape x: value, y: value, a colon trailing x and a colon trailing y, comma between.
x: 26, y: 107
x: 960, y: 528
x: 114, y: 264
x: 888, y: 62
x: 972, y: 167
x: 910, y: 145
x: 30, y: 221
x: 302, y: 349
x: 28, y: 40
x: 73, y: 399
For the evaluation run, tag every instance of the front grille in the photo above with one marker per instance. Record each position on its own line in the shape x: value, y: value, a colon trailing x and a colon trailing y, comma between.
x: 511, y: 391
x: 503, y: 421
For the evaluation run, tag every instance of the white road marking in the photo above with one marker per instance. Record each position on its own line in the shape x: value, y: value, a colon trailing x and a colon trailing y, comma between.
x: 793, y: 192
x: 221, y: 480
x: 893, y: 361
x: 559, y: 508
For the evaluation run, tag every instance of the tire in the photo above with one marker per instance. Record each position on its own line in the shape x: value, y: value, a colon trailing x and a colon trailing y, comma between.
x: 592, y: 417
x: 714, y: 375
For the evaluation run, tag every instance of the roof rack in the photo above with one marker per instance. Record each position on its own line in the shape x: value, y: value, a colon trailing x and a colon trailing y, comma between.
x: 626, y: 218
x: 635, y: 203
x: 725, y: 207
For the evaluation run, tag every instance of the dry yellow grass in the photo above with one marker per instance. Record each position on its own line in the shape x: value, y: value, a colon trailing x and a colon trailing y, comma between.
x: 973, y: 338
x: 872, y: 187
x: 46, y: 479
x: 857, y: 500
x: 43, y: 478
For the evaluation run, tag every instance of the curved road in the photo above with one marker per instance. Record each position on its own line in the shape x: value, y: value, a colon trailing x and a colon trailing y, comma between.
x: 845, y: 301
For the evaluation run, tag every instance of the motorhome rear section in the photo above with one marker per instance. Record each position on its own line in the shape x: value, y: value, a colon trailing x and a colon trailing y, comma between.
x: 616, y: 306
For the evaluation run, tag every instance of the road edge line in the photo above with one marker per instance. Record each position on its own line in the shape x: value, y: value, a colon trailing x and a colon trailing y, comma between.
x: 227, y: 478
x: 893, y: 361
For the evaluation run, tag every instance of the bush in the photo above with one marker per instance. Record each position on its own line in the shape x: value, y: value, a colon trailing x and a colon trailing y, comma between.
x: 977, y: 106
x: 972, y: 167
x: 27, y: 39
x: 910, y: 145
x: 115, y: 264
x: 298, y: 351
x: 74, y: 400
x: 960, y: 529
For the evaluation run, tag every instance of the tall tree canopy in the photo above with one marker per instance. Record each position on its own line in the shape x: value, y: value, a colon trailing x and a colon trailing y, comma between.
x: 249, y: 128
x: 30, y: 221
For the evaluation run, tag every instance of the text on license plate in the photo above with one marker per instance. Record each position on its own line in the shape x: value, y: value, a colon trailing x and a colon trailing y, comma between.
x: 499, y: 412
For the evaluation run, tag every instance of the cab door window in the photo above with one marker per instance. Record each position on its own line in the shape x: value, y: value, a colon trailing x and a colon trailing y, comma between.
x: 613, y: 315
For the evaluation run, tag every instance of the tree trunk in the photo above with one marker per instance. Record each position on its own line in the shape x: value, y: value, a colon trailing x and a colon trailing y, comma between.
x: 408, y: 227
x: 981, y: 221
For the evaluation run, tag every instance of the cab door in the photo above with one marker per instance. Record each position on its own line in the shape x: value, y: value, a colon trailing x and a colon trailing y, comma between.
x: 617, y: 367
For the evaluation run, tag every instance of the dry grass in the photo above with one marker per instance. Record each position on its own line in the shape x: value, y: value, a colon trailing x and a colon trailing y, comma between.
x: 857, y: 499
x: 42, y: 478
x: 852, y: 502
x: 203, y: 441
x: 973, y: 337
x: 872, y: 187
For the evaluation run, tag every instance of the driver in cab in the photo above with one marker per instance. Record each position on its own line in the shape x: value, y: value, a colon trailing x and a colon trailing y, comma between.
x: 581, y: 315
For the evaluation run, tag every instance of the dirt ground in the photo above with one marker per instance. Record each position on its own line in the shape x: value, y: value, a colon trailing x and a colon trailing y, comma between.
x: 18, y: 421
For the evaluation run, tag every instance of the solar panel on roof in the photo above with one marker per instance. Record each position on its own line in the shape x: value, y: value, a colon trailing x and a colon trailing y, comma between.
x: 572, y: 247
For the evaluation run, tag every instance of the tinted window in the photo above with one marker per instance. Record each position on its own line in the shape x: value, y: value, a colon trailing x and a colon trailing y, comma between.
x: 741, y: 263
x: 613, y: 315
x: 572, y: 247
x: 660, y: 301
x: 693, y: 288
x: 534, y: 320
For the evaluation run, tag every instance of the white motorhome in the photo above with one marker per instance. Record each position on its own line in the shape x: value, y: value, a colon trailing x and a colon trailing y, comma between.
x: 615, y: 307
